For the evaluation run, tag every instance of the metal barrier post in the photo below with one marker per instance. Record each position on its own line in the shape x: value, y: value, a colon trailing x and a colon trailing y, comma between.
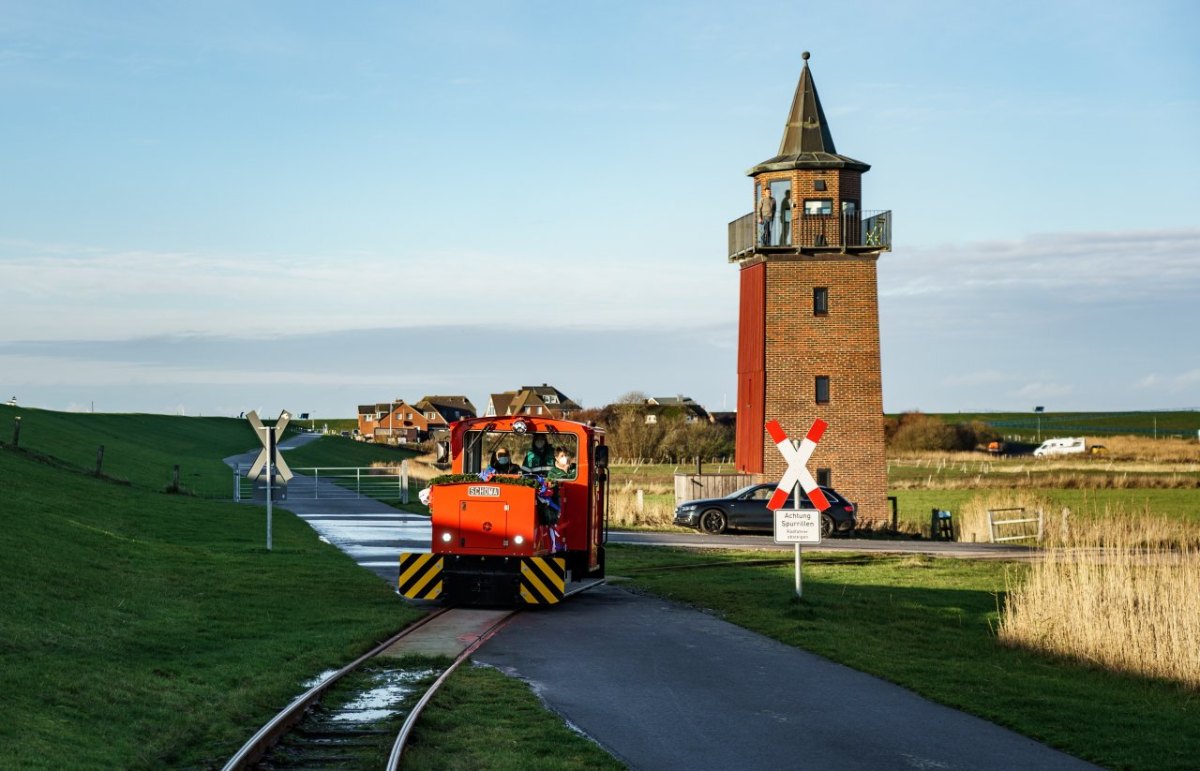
x: 404, y: 481
x: 316, y: 483
x: 237, y: 483
x: 358, y: 482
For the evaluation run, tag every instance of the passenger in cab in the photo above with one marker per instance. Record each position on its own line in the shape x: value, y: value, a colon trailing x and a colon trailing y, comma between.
x: 502, y: 462
x: 563, y: 467
x: 540, y: 457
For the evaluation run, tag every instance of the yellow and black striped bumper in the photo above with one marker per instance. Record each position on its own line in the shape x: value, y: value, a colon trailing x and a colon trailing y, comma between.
x: 543, y: 580
x: 420, y: 576
x: 482, y: 580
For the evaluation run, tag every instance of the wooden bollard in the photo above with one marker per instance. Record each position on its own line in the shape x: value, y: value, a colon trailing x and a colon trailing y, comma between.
x: 16, y: 431
x: 99, y: 459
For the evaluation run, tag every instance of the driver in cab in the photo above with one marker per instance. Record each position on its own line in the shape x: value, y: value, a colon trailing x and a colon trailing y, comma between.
x: 502, y: 463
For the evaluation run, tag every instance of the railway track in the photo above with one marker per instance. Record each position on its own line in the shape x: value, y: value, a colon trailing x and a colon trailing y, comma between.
x: 372, y: 692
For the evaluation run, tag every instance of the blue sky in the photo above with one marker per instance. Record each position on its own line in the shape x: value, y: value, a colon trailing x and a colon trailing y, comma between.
x: 215, y: 206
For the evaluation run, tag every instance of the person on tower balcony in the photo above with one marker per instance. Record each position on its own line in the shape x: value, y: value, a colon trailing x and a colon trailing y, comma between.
x: 766, y: 213
x: 785, y: 219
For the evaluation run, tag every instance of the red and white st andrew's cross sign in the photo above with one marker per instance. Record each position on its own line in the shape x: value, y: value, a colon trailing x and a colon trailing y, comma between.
x: 797, y: 459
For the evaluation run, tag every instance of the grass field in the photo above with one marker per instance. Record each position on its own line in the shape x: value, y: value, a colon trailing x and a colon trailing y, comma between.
x: 143, y: 630
x: 929, y: 625
x: 1029, y: 425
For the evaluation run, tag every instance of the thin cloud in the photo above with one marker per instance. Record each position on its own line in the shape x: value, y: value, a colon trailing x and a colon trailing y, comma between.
x: 1093, y: 266
x: 1183, y: 381
x: 988, y: 377
x: 1044, y: 390
x: 49, y: 289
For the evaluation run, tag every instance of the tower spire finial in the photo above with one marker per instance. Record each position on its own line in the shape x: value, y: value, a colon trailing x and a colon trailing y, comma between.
x: 805, y: 56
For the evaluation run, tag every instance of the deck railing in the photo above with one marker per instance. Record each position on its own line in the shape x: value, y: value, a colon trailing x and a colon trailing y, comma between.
x: 868, y: 230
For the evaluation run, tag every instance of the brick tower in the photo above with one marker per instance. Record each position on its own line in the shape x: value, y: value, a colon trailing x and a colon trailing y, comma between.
x: 808, y: 327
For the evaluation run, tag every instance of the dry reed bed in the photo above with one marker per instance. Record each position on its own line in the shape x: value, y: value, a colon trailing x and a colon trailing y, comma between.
x: 1066, y: 481
x: 1121, y: 592
x: 657, y: 509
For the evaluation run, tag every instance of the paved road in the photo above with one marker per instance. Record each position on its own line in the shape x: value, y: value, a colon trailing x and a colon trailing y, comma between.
x: 860, y: 545
x: 371, y: 532
x: 661, y: 686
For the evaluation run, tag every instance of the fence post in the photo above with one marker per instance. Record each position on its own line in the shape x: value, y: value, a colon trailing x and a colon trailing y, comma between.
x: 317, y: 483
x: 16, y: 431
x: 1041, y: 524
x: 99, y: 459
x: 404, y: 481
x: 991, y: 528
x: 641, y: 502
x: 1064, y: 531
x: 357, y: 482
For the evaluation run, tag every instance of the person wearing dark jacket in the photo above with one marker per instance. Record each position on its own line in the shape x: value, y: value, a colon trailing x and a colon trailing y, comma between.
x: 502, y: 463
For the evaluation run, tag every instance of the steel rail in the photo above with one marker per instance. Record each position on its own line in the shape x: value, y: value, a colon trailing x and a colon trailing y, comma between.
x: 269, y: 735
x: 410, y: 722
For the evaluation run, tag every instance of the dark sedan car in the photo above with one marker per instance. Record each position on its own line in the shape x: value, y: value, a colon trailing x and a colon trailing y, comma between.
x: 746, y: 509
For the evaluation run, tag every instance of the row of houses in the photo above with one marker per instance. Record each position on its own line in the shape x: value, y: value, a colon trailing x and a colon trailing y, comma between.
x: 402, y: 422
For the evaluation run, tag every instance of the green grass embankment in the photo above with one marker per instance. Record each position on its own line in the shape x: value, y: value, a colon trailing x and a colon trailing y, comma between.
x: 141, y: 449
x: 340, y: 452
x: 928, y: 624
x: 143, y: 630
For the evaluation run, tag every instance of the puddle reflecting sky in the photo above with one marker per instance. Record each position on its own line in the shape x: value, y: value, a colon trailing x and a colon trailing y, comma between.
x: 385, y: 698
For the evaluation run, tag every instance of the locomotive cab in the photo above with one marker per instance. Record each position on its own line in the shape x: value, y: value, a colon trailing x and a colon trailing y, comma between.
x: 521, y: 515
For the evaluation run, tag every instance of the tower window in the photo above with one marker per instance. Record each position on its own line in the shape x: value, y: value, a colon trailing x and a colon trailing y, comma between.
x: 825, y: 477
x: 822, y: 388
x: 820, y: 300
x: 819, y: 184
x: 817, y: 206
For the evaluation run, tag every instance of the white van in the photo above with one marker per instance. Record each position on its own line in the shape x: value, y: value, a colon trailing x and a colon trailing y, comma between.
x: 1063, y: 446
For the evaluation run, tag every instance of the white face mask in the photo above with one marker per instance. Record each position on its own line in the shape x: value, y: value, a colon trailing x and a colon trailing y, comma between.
x: 502, y: 460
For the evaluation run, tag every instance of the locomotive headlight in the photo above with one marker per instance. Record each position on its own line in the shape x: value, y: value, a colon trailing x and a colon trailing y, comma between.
x: 446, y: 537
x: 519, y: 539
x: 520, y: 426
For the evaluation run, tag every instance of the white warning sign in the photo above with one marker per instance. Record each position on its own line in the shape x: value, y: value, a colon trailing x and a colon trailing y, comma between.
x: 801, y: 526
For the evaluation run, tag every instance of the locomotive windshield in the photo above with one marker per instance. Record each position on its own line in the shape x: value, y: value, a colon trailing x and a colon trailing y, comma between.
x: 552, y: 455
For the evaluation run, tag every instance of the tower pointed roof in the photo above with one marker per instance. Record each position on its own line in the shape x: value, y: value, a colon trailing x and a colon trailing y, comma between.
x: 807, y: 142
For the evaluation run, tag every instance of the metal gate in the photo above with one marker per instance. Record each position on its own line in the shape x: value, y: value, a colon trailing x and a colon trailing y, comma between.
x: 330, y: 482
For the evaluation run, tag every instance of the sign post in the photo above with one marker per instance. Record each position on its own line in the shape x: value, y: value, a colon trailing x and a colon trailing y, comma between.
x: 797, y: 525
x: 269, y: 459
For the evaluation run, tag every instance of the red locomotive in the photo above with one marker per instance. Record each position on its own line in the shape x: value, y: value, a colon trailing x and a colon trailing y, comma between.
x: 522, y: 513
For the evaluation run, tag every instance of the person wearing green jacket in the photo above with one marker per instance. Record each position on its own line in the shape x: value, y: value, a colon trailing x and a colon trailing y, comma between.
x: 540, y: 457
